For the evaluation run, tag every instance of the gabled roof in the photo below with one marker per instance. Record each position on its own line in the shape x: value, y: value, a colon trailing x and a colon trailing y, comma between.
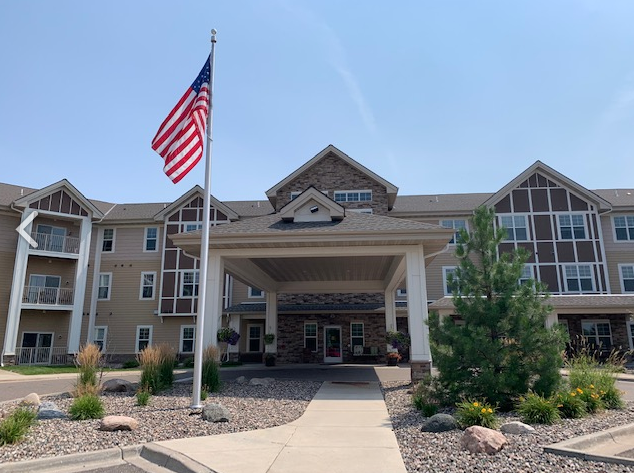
x: 390, y: 188
x: 63, y: 184
x: 621, y: 199
x: 550, y: 173
x: 183, y: 199
x: 322, y: 206
x: 438, y: 204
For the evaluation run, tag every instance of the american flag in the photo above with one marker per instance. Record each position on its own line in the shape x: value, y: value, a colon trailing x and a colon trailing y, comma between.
x: 180, y: 137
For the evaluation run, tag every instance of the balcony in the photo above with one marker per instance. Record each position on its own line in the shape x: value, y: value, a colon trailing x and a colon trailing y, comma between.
x: 47, y: 296
x: 43, y: 356
x: 56, y: 243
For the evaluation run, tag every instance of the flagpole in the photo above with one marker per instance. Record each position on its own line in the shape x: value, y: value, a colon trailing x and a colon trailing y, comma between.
x: 204, y: 244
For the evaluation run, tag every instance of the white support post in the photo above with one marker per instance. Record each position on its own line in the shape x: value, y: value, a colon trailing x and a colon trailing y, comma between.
x: 81, y: 275
x: 94, y: 293
x: 390, y: 314
x: 17, y: 289
x: 420, y: 354
x: 551, y: 320
x: 234, y: 323
x: 213, y: 307
x: 271, y: 320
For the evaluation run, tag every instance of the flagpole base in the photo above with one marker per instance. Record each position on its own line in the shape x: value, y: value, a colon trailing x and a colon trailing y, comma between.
x: 196, y: 406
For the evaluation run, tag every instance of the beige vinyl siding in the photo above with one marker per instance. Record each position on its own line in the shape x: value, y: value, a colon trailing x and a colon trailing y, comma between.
x: 45, y: 322
x: 241, y: 293
x: 616, y: 253
x: 65, y: 268
x: 435, y: 281
x: 129, y: 244
x: 7, y: 261
x: 72, y: 227
x: 8, y: 235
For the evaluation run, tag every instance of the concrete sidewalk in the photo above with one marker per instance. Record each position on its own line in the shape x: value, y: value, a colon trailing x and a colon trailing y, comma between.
x: 346, y: 428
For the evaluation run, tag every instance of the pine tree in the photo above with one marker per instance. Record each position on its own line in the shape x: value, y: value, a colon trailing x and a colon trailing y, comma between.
x: 502, y: 348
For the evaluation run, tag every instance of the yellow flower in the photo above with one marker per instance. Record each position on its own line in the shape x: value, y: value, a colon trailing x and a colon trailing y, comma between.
x: 592, y: 386
x: 580, y: 391
x: 489, y: 410
x: 476, y: 404
x: 573, y: 394
x: 560, y: 405
x: 483, y: 410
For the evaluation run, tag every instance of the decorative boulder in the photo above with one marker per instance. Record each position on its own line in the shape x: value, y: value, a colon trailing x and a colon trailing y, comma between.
x: 241, y: 380
x: 478, y: 439
x: 118, y: 386
x: 439, y: 423
x: 261, y: 381
x: 216, y: 413
x: 518, y: 428
x: 31, y: 400
x: 49, y: 410
x: 111, y: 423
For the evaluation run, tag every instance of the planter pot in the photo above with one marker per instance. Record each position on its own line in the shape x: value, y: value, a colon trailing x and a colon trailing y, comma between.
x: 269, y: 361
x: 392, y: 362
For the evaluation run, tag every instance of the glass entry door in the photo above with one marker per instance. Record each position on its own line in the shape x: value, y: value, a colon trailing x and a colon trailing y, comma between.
x: 332, y: 344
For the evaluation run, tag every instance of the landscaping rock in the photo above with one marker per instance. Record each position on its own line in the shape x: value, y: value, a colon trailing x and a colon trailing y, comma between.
x: 478, y: 439
x: 439, y: 423
x: 216, y: 413
x: 517, y: 427
x: 112, y: 423
x: 49, y: 410
x: 261, y: 381
x: 31, y: 400
x: 241, y: 380
x: 118, y: 386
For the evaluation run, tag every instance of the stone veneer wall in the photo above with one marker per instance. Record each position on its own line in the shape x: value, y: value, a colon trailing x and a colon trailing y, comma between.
x: 333, y: 174
x: 618, y: 326
x: 331, y: 298
x: 290, y: 344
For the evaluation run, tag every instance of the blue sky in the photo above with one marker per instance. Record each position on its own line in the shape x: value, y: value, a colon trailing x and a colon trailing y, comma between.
x: 435, y: 97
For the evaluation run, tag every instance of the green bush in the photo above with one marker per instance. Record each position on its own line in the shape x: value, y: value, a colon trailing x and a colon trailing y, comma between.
x: 536, y: 409
x: 166, y: 366
x: 612, y: 398
x: 476, y: 413
x: 130, y: 364
x: 88, y: 362
x: 86, y: 407
x: 16, y: 425
x: 571, y: 406
x: 592, y: 398
x: 143, y: 397
x: 150, y: 361
x: 204, y: 393
x: 211, y: 369
x: 188, y: 362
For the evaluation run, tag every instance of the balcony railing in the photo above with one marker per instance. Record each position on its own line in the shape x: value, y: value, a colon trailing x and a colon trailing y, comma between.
x: 43, y: 356
x: 47, y: 295
x: 56, y: 243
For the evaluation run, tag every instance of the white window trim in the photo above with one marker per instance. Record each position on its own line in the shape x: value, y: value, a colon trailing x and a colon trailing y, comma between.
x: 401, y: 293
x: 182, y: 339
x: 198, y: 225
x: 580, y: 291
x: 109, y: 286
x: 316, y: 337
x: 532, y: 275
x: 599, y: 321
x: 619, y: 242
x: 145, y: 240
x: 182, y: 283
x: 586, y: 234
x: 629, y: 325
x: 105, y: 336
x: 334, y: 195
x: 444, y: 279
x: 114, y: 239
x: 252, y: 296
x: 138, y: 332
x: 141, y: 286
x: 363, y: 336
x: 513, y: 215
x: 621, y: 279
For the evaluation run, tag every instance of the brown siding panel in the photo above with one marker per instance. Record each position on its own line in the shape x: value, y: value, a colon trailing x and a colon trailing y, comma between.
x: 530, y: 249
x: 543, y: 230
x: 546, y: 252
x: 504, y: 205
x: 585, y: 251
x: 577, y: 204
x: 540, y: 200
x: 559, y: 199
x: 565, y: 252
x: 520, y: 200
x: 548, y: 275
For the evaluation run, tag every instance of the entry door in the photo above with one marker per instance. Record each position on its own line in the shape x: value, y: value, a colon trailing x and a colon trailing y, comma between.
x: 332, y: 344
x: 36, y: 348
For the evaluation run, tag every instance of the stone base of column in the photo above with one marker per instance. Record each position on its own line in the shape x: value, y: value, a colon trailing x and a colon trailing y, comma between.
x: 8, y: 360
x: 420, y: 369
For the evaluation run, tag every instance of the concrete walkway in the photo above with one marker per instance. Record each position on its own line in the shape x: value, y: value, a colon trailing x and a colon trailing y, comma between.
x: 345, y: 429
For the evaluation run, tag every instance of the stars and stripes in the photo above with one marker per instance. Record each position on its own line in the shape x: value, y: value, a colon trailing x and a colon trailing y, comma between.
x: 180, y: 137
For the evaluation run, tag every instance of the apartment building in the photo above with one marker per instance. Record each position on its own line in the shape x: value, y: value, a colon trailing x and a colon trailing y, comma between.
x: 328, y: 262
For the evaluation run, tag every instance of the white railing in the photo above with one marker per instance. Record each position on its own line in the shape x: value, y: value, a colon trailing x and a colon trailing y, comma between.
x: 56, y: 243
x: 43, y: 356
x: 47, y: 295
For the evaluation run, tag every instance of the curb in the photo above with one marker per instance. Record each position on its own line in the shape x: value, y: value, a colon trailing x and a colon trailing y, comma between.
x: 76, y: 462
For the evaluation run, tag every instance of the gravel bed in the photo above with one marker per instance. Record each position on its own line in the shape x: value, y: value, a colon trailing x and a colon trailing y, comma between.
x: 431, y: 452
x: 167, y: 416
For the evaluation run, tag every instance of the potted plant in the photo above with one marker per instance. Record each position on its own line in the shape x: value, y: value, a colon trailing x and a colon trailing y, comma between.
x: 269, y: 359
x: 269, y: 338
x: 393, y: 358
x: 398, y: 340
x: 228, y: 335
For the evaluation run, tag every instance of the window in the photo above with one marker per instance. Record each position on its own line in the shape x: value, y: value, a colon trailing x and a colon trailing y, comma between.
x: 310, y: 336
x: 189, y: 283
x: 626, y: 272
x: 44, y: 289
x: 356, y: 334
x: 188, y: 335
x: 255, y: 293
x: 360, y: 211
x: 99, y: 337
x: 151, y: 239
x: 148, y: 283
x: 353, y: 196
x: 254, y: 338
x: 623, y: 228
x: 526, y: 276
x: 456, y: 225
x: 630, y: 334
x: 105, y: 283
x: 572, y: 227
x: 597, y: 334
x: 108, y: 240
x: 515, y: 227
x: 50, y: 238
x: 143, y: 337
x: 401, y: 292
x: 448, y: 271
x: 579, y: 278
x: 192, y: 227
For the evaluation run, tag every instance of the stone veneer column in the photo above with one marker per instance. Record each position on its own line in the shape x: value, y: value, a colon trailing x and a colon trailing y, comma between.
x: 213, y: 308
x: 271, y: 320
x: 420, y: 354
x: 81, y: 274
x: 17, y: 290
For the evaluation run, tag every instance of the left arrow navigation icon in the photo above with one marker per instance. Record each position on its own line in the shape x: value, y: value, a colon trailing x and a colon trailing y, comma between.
x: 20, y: 229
